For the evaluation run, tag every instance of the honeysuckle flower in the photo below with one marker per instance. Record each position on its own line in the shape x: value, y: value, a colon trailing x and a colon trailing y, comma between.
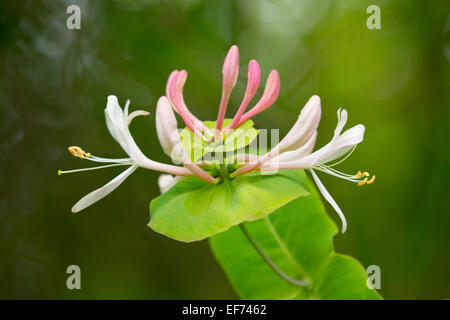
x: 294, y: 151
x: 341, y: 144
x: 118, y: 121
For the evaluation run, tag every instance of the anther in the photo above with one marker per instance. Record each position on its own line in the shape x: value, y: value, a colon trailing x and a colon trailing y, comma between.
x: 362, y: 182
x: 359, y: 174
x: 59, y: 172
x: 366, y: 174
x: 371, y: 180
x: 78, y: 152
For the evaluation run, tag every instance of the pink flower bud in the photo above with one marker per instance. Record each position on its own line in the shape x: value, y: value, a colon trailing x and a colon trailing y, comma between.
x: 270, y: 95
x: 254, y: 77
x: 230, y: 73
x: 174, y: 92
x: 169, y: 84
x: 271, y: 91
x: 230, y: 69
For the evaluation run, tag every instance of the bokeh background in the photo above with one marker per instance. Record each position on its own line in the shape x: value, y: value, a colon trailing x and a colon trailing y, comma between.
x: 53, y: 88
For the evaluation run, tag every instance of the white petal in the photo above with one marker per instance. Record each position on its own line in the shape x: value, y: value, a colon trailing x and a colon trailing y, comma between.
x: 115, y: 121
x: 330, y: 200
x: 345, y: 142
x: 114, y: 111
x: 338, y: 146
x: 304, y: 128
x: 166, y: 125
x: 167, y: 181
x: 339, y: 153
x: 135, y: 114
x: 297, y: 153
x: 102, y: 192
x: 117, y: 125
x: 342, y: 120
x: 125, y: 109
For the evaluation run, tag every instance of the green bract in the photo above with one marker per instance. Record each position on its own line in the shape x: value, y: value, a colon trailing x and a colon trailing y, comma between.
x: 240, y: 137
x: 298, y: 238
x: 194, y: 209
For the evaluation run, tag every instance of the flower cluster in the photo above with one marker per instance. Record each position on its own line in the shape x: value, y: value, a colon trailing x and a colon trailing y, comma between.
x: 294, y: 151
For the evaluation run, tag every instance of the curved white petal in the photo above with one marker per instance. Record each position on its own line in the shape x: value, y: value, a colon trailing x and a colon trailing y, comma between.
x: 344, y: 143
x: 338, y: 146
x: 342, y: 120
x: 116, y: 121
x: 330, y: 200
x: 298, y: 153
x: 167, y: 181
x: 135, y: 114
x: 125, y: 109
x: 102, y: 192
x: 166, y: 124
x: 304, y: 128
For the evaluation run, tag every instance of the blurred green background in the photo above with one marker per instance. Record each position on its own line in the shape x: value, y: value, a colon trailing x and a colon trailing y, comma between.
x: 53, y: 88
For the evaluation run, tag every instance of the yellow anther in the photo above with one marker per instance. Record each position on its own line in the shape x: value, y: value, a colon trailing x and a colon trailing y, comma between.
x: 88, y: 154
x: 59, y: 172
x: 78, y: 152
x: 362, y: 182
x: 366, y: 174
x: 371, y: 180
x: 359, y: 174
x: 73, y: 151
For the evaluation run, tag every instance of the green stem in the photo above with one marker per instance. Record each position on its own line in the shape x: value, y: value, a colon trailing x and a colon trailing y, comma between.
x: 267, y: 260
x: 223, y: 170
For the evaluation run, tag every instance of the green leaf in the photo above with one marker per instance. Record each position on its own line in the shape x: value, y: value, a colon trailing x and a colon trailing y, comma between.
x: 194, y: 209
x: 240, y: 137
x: 298, y: 238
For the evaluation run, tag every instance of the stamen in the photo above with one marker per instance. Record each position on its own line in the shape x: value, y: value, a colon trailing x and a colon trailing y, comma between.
x: 366, y: 174
x: 359, y: 175
x: 362, y: 182
x: 60, y: 172
x: 343, y: 159
x: 371, y: 180
x: 78, y: 152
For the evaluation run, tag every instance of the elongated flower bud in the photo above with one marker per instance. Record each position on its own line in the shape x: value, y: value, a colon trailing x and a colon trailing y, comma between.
x: 230, y: 69
x: 230, y: 73
x: 174, y: 92
x: 169, y: 84
x: 270, y: 95
x: 254, y: 77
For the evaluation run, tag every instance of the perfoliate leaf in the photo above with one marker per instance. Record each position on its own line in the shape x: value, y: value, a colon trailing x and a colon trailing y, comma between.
x: 194, y: 209
x: 240, y: 137
x: 298, y: 238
